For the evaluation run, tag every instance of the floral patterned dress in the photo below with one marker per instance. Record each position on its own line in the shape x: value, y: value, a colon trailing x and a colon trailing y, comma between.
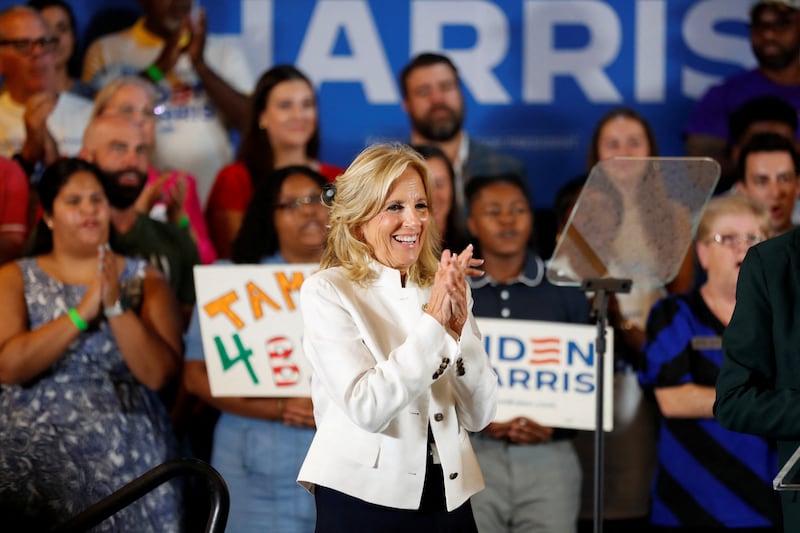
x: 84, y: 427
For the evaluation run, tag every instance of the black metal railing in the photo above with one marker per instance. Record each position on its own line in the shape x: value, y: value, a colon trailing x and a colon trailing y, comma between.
x: 218, y: 494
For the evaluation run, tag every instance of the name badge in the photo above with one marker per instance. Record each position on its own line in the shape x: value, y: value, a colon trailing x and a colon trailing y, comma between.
x: 707, y: 343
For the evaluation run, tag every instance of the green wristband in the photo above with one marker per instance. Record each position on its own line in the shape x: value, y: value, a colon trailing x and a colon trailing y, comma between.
x: 154, y: 73
x: 183, y: 222
x: 79, y: 322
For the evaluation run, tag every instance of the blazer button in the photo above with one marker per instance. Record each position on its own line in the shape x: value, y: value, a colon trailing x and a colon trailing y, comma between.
x: 438, y: 417
x: 446, y: 361
x: 454, y: 475
x: 436, y: 374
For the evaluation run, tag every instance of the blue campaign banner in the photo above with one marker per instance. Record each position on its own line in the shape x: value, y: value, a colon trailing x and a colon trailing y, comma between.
x: 537, y: 74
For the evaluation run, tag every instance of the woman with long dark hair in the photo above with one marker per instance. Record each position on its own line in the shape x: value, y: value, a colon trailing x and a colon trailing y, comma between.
x: 88, y: 340
x: 282, y: 130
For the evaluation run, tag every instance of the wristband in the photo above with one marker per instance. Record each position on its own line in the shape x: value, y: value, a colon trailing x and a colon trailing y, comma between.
x: 76, y: 319
x: 183, y: 222
x: 154, y: 73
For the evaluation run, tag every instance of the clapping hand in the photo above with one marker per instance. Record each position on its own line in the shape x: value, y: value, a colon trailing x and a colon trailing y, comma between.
x: 448, y: 303
x: 39, y: 144
x: 173, y: 195
x: 196, y: 47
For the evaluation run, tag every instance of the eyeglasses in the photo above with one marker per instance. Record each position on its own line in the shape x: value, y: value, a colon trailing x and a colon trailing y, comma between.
x: 295, y: 205
x: 734, y: 241
x: 26, y: 46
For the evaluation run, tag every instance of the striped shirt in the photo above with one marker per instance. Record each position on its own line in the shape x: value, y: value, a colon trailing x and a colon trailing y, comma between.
x: 707, y: 476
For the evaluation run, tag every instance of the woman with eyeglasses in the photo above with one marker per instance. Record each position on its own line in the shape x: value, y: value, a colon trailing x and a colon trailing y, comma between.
x: 707, y: 478
x: 170, y: 195
x: 282, y: 130
x: 259, y: 443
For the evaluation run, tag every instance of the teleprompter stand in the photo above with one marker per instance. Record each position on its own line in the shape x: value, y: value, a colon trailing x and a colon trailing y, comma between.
x: 630, y: 227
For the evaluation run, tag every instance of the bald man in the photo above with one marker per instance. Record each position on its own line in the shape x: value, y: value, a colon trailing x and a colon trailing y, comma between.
x: 118, y: 147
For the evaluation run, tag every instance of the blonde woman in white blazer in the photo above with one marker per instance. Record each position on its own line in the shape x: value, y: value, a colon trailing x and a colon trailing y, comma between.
x: 399, y: 371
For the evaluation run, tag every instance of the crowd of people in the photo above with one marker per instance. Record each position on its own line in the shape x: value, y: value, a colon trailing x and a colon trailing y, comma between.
x: 121, y: 174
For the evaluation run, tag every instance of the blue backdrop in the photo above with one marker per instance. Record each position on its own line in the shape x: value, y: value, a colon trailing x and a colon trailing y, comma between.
x: 537, y: 73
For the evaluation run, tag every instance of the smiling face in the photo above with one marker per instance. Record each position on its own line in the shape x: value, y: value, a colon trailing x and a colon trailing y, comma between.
x: 623, y: 137
x: 396, y: 234
x: 60, y: 26
x: 80, y: 214
x: 290, y: 114
x: 301, y: 227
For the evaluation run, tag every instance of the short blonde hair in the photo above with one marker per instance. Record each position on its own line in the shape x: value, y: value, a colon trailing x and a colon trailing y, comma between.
x: 736, y: 204
x: 360, y: 195
x: 108, y: 91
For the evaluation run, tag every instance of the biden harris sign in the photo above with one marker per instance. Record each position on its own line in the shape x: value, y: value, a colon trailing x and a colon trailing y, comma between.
x: 547, y: 371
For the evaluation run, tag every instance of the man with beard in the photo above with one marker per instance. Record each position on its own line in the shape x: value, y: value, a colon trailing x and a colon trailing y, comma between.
x: 433, y: 100
x: 775, y: 40
x: 117, y: 146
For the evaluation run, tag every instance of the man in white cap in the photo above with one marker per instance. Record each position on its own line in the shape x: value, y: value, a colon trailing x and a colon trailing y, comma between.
x: 775, y: 40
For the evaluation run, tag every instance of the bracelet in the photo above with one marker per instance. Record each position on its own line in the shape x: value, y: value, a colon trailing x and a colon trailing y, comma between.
x: 183, y: 222
x: 76, y: 319
x: 154, y: 73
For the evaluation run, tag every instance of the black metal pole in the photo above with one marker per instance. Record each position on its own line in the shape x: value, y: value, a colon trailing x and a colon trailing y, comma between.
x: 96, y: 513
x: 603, y: 288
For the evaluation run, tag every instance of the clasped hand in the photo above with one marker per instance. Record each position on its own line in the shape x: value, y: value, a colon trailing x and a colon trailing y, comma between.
x: 103, y: 291
x: 448, y: 302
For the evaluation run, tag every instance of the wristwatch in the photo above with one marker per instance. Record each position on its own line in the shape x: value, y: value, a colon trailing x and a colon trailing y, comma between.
x: 114, y: 310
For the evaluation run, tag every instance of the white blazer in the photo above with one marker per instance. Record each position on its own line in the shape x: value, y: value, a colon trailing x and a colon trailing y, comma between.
x: 383, y: 370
